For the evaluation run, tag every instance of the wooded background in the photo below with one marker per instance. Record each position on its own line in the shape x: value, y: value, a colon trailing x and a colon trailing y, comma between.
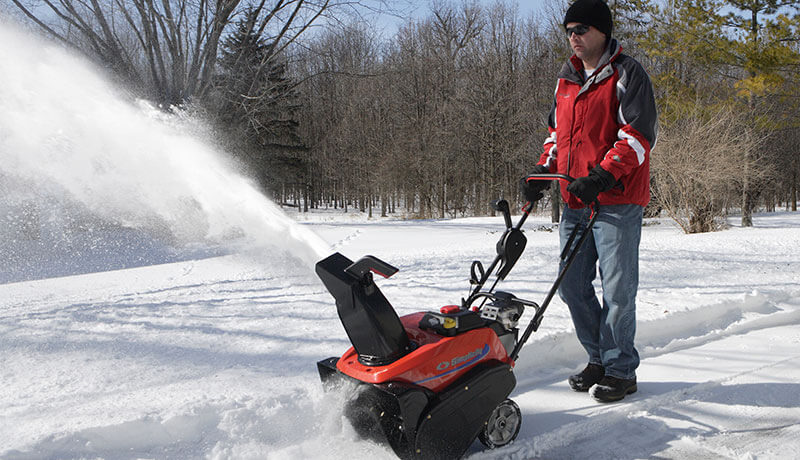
x: 444, y: 115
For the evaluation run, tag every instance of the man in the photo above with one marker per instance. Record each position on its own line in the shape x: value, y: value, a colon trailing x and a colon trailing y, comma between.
x: 602, y: 126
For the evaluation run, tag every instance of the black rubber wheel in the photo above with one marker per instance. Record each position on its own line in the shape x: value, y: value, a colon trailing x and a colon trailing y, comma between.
x: 503, y: 425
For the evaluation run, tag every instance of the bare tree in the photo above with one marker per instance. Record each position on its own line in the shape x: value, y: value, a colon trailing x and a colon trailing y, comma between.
x: 169, y: 47
x: 446, y: 117
x: 695, y: 180
x: 430, y: 62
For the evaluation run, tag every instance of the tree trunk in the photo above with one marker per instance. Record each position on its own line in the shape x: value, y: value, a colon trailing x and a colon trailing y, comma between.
x: 747, y: 205
x: 555, y: 202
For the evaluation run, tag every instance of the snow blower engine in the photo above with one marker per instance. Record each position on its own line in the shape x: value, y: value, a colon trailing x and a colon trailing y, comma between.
x: 429, y: 383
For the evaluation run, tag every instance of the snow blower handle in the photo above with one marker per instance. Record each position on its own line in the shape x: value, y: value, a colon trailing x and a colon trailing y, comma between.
x: 528, y: 207
x: 567, y: 257
x: 551, y: 176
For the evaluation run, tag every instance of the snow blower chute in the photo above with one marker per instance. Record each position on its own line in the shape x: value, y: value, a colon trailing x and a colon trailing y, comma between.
x: 429, y: 383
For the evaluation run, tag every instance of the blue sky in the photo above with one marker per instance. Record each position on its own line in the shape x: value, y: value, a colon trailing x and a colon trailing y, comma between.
x: 525, y: 6
x: 423, y: 7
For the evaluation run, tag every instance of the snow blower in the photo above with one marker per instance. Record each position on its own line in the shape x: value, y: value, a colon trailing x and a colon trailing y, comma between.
x: 431, y: 382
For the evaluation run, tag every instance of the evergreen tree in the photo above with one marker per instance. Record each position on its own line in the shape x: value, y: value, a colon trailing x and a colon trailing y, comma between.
x: 710, y: 54
x: 255, y: 103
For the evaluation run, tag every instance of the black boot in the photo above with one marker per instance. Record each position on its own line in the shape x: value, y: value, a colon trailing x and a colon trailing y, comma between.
x: 592, y: 374
x: 613, y: 389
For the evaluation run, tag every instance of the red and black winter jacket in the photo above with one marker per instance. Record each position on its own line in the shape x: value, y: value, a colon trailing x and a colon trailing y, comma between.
x: 609, y: 119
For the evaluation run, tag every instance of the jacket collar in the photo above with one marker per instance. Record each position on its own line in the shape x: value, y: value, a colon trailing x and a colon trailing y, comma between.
x: 573, y: 69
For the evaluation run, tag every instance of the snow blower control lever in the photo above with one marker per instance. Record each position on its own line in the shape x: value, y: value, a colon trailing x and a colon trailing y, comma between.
x: 509, y: 249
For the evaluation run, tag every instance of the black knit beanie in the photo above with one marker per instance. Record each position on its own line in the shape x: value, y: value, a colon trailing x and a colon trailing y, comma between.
x: 592, y: 13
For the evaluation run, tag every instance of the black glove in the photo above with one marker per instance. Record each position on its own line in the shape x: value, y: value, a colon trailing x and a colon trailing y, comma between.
x: 532, y: 189
x: 587, y: 188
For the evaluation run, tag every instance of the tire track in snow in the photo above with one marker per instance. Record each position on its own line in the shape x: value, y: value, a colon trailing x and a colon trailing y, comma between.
x: 726, y: 417
x: 558, y: 354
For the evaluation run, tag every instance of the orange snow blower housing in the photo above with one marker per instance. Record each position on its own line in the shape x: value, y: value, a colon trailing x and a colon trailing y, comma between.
x: 428, y: 384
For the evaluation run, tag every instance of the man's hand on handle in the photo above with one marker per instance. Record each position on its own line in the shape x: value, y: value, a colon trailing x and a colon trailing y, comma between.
x: 532, y: 189
x: 587, y: 188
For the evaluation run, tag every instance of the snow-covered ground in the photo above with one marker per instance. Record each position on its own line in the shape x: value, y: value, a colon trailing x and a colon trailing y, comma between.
x: 154, y: 305
x: 215, y: 358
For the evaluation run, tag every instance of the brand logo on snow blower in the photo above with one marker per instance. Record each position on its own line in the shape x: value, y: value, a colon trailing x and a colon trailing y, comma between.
x: 459, y: 362
x: 468, y: 358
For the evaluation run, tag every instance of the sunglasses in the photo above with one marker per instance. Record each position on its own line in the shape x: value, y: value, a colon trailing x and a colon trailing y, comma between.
x: 580, y: 29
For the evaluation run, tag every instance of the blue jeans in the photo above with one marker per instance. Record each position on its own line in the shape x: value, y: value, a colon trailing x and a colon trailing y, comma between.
x: 606, y: 331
